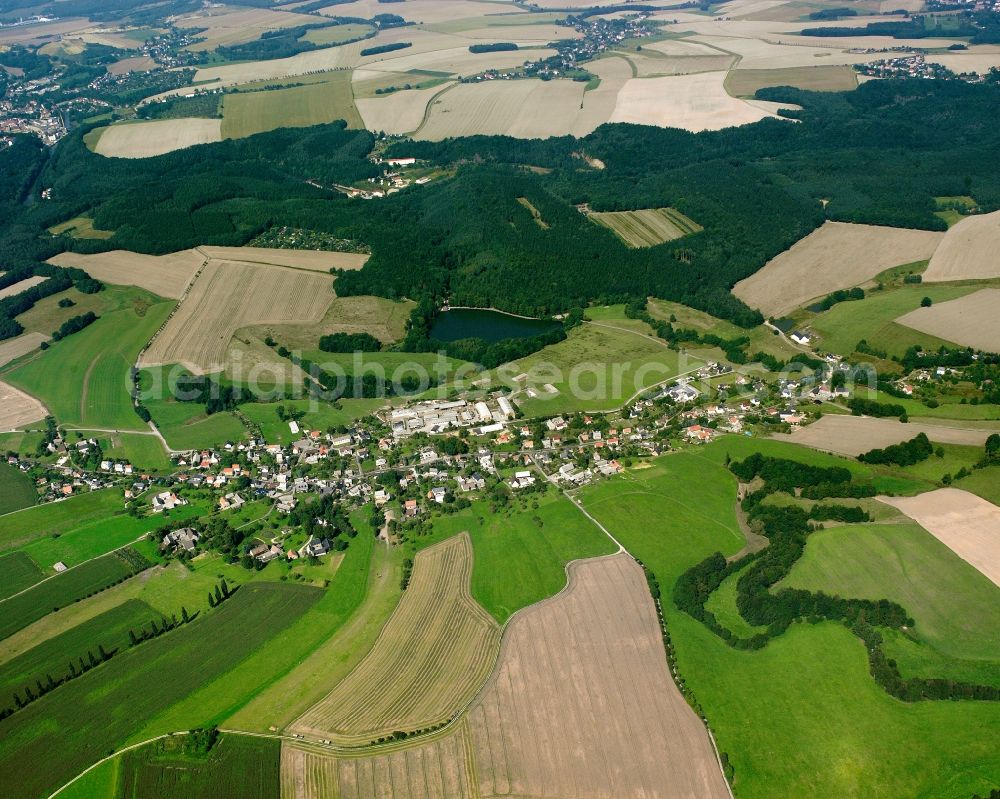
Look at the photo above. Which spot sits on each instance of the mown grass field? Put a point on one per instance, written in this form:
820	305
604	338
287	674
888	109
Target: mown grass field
520	554
17	572
144	452
30	524
53	655
439	646
16	489
801	717
49	596
80	227
872	319
84	379
89	716
185	425
595	368
99	537
237	766
247	113
647	227
951	602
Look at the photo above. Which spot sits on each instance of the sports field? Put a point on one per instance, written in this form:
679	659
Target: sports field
598	367
439	646
648	227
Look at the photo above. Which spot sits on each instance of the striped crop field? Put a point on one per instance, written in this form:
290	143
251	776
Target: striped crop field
646	227
434	653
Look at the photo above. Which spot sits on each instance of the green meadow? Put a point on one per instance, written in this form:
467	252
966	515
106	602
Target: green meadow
16	489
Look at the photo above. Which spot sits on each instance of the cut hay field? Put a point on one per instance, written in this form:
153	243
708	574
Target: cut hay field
18	409
17	490
949	600
84	379
14	348
971	321
746	82
21	286
222	25
802	716
97	712
966	524
646	227
693	102
836	256
247	113
163	275
399	112
17	572
532	732
853	435
229	295
527	109
146	139
968	251
439	647
873	319
597	367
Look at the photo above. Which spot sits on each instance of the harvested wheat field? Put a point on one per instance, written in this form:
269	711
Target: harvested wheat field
968	251
968	525
399	112
972	320
229	295
581	705
434	653
526	109
18	409
221	26
692	102
21	345
309	260
21	286
165	275
146	139
647	227
853	435
838	255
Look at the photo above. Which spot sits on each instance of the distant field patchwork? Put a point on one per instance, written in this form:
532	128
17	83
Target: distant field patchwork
646	227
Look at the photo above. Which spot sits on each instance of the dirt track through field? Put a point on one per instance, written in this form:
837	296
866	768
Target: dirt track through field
581	705
968	525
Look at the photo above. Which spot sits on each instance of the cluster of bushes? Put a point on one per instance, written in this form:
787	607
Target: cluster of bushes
215	396
841	295
866	407
74	325
349	342
787	529
850	514
400	735
918	448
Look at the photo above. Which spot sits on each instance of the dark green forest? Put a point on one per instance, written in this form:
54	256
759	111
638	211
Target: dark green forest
877	155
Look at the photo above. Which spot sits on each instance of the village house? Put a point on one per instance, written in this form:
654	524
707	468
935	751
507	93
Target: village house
186	538
167	500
